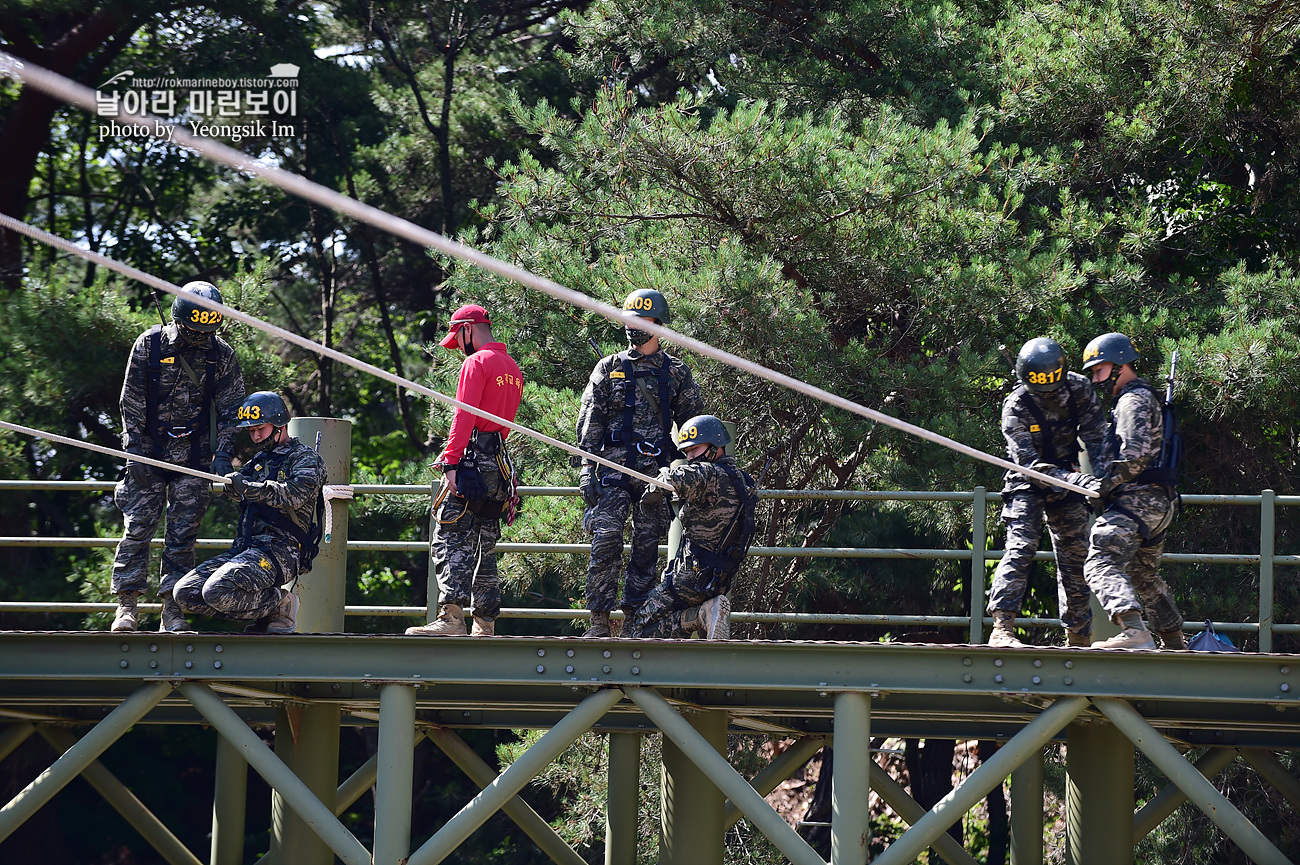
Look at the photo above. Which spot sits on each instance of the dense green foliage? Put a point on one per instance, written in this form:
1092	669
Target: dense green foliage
884	200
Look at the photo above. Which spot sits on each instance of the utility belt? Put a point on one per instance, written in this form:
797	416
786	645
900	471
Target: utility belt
1149	538
486	452
487	443
637	442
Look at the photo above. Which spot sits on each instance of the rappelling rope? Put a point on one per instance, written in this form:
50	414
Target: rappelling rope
100	449
73	93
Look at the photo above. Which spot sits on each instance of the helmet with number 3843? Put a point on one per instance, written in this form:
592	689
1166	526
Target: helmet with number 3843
187	313
1040	366
261	407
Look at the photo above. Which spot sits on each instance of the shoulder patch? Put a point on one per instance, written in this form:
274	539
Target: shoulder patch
617	373
167	360
1033	427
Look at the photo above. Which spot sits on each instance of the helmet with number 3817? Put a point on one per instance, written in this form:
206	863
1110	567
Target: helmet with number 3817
187	313
1040	366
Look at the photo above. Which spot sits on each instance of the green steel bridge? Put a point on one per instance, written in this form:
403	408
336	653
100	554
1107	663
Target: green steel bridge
81	691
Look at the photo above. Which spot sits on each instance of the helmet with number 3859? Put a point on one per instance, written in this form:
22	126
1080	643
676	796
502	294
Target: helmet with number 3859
1040	366
702	429
263	406
187	313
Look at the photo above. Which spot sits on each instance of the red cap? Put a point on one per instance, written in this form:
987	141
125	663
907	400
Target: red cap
470	313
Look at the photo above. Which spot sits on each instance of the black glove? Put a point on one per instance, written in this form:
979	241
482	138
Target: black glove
653	497
589	486
221	464
139	472
1088	482
245	488
469	483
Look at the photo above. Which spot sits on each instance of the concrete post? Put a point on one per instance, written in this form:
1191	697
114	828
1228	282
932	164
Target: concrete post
1027	812
229	805
691	807
1098	795
322	591
622	798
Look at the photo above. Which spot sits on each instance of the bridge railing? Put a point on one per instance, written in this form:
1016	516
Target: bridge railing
979	498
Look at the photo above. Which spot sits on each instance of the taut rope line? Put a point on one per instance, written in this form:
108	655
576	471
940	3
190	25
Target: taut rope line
73	93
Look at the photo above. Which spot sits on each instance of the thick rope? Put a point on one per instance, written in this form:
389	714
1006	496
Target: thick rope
234	314
100	449
73	93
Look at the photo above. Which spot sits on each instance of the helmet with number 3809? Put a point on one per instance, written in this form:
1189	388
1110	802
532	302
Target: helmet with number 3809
1040	366
187	313
261	407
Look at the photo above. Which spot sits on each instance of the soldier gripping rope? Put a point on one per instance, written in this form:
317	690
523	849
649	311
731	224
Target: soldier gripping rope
179	397
1043	420
478	482
717	517
278	535
629	405
1138	487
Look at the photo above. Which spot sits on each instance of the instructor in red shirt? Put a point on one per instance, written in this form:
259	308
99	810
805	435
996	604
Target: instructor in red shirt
477	482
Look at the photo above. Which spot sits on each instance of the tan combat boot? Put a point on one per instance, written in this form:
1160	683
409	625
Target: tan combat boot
484	627
1003	635
1172	640
1078	639
599	627
173	617
127	616
450	623
284	618
715	614
1133	636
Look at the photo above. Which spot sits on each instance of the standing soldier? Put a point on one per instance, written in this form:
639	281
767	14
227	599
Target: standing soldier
717	525
628	408
279	530
477	481
179	398
1043	420
1139	493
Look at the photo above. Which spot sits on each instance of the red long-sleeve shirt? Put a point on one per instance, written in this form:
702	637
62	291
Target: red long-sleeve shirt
489	379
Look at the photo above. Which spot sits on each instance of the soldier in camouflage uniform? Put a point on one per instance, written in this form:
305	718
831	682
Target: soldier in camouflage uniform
1128	538
279	490
1043	420
179	397
477	483
628	408
717	517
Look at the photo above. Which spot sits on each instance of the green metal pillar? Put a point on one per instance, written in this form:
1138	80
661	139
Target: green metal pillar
622	798
691	807
1027	812
80	755
978	542
789	761
124	802
1267	516
395	773
895	796
229	805
308	742
1098	795
850	787
1272	770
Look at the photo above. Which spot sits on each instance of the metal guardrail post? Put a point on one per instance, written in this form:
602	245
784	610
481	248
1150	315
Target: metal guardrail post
621	806
1027	812
229	805
1267	524
395	772
978	540
1098	795
691	806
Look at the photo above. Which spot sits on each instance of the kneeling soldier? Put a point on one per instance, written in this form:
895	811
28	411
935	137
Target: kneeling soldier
279	492
717	525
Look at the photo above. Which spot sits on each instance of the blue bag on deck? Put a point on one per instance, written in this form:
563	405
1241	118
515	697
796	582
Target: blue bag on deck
1211	641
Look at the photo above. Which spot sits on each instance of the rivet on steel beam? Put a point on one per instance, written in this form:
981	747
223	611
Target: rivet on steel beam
997	662
189	665
1067	680
1285	670
153	647
998	678
541	669
569	668
123	664
569	652
966	661
126	647
1037	662
636	654
218	649
605	654
604	669
335	687
636	671
541	653
189	648
1285	687
153	665
1069	665
731	693
966	677
1037	680
216	665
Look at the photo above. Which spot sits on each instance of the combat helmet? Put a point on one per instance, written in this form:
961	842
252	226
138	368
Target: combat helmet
1040	366
701	430
261	407
187	313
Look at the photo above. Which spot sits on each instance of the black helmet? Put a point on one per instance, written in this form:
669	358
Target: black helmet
262	407
648	303
703	429
1040	366
1113	347
189	314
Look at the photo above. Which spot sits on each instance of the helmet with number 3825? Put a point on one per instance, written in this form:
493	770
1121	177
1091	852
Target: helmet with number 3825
1040	366
263	406
187	313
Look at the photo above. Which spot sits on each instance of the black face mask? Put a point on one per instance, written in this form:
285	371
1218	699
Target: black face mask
192	338
637	338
